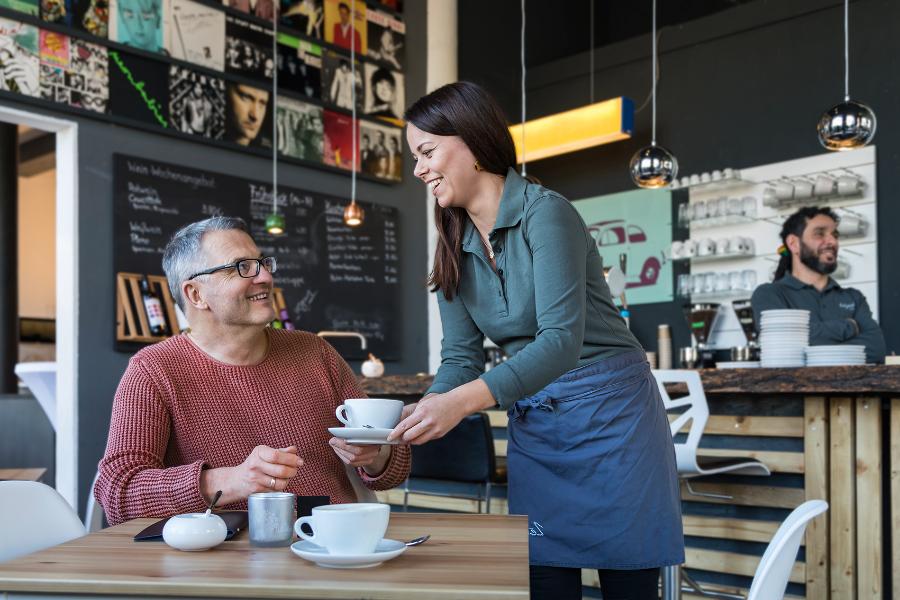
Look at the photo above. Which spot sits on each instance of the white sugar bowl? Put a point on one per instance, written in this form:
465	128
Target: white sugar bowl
372	367
195	531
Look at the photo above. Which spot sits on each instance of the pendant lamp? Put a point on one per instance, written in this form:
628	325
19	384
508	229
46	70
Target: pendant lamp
353	212
275	222
653	166
849	124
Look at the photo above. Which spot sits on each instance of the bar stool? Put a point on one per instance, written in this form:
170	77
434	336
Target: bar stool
696	410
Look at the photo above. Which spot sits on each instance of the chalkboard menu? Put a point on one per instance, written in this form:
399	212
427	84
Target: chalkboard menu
333	277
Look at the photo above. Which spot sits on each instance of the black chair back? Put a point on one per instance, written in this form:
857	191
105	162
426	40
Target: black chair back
465	454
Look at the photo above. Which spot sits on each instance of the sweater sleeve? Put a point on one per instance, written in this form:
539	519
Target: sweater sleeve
347	386
556	235
134	481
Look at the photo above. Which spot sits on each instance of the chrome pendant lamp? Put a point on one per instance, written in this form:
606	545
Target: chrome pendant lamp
849	124
653	166
275	222
353	212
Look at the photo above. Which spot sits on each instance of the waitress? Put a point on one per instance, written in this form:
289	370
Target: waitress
590	458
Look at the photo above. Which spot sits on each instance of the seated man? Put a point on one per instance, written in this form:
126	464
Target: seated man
232	405
838	315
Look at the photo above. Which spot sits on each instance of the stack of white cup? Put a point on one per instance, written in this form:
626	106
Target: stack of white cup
664	346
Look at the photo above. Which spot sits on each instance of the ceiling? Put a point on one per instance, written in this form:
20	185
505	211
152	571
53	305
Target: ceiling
561	28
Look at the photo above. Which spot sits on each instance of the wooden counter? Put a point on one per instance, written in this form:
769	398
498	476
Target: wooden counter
468	556
820	431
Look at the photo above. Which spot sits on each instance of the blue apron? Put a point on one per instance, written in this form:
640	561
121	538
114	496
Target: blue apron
592	463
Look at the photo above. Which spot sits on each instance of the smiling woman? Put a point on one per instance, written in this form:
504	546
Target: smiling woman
516	263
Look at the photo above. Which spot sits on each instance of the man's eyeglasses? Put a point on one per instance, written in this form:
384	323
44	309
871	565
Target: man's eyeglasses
246	267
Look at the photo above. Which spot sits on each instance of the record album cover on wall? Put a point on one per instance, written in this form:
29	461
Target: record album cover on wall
248	119
73	72
138	23
19	58
300	129
380	151
339	132
85	15
29	7
263	9
138	88
338	79
196	33
299	66
338	28
196	103
306	16
386	35
384	92
248	49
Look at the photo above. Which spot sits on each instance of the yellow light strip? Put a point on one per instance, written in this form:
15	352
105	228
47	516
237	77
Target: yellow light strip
600	123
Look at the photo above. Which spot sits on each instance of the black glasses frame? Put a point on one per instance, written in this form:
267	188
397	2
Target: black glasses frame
260	264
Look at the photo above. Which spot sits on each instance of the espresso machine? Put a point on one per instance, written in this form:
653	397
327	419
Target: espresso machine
744	312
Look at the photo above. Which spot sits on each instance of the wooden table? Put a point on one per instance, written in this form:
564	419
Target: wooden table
468	556
21	474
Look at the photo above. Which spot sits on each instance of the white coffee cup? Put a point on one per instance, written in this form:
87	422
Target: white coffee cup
847	185
723	246
727	172
784	190
705	177
382	413
346	529
802	188
705	247
689	249
824	185
852	226
677	249
717	175
769	197
695	179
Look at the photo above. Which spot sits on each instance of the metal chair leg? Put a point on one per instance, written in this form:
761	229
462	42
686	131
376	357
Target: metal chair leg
671	582
406	496
693	492
487	508
696	589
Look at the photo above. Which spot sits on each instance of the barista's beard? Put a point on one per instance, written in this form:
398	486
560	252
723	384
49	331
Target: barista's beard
810	258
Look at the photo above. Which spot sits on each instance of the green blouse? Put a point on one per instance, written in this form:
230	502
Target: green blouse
547	304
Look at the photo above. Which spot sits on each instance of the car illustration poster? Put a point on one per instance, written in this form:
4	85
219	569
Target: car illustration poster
638	224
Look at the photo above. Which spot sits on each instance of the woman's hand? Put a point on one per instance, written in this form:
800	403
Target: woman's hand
373	459
430	418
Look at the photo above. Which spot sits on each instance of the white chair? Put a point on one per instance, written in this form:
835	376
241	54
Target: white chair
94	513
697	411
40	377
33	516
689	465
771	577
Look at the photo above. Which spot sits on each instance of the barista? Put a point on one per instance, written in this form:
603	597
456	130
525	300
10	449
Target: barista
838	315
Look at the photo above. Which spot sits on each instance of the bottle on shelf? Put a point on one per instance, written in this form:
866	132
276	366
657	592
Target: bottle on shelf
286	319
156	319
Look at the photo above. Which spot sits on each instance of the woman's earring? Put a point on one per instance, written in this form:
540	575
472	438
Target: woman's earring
478	166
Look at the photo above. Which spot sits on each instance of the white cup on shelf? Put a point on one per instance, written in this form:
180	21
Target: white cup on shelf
717	175
770	198
802	189
784	190
706	247
847	185
705	177
824	185
677	249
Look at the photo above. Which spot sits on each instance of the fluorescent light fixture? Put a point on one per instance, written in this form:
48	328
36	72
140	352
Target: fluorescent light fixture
600	123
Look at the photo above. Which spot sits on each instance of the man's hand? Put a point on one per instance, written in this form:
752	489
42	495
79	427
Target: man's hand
264	470
373	459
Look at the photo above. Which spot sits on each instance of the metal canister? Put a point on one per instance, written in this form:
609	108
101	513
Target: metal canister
272	516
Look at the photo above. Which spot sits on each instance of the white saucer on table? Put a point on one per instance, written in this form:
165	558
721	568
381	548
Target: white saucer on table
385	550
363	436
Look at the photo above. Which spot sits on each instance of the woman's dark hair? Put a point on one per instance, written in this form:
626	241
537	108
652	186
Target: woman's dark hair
796	225
466	110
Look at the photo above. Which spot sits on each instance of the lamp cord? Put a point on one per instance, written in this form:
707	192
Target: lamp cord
591	50
353	100
653	93
522	53
846	50
275	114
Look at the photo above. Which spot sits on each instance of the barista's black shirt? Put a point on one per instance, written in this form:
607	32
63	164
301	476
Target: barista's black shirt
832	313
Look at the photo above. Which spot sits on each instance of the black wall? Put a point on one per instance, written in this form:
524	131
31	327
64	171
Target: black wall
740	88
99	366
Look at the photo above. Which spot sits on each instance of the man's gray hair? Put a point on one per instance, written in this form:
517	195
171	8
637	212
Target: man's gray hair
183	257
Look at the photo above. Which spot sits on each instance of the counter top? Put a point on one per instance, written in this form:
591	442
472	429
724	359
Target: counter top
876	380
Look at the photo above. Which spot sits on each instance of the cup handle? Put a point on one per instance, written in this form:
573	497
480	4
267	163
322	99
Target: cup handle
300	533
341	414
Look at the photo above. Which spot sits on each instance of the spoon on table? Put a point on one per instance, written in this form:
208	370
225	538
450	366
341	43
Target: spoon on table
213	503
418	540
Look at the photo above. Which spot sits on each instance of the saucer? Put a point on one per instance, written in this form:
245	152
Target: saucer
363	436
385	550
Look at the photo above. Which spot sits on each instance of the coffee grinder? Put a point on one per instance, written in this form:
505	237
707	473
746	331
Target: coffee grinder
744	312
700	318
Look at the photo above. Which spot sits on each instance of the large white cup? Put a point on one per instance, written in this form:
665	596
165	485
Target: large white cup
382	413
824	185
348	529
705	247
848	185
802	188
784	190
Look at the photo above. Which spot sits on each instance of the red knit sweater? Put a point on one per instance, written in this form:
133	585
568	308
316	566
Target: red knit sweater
178	411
